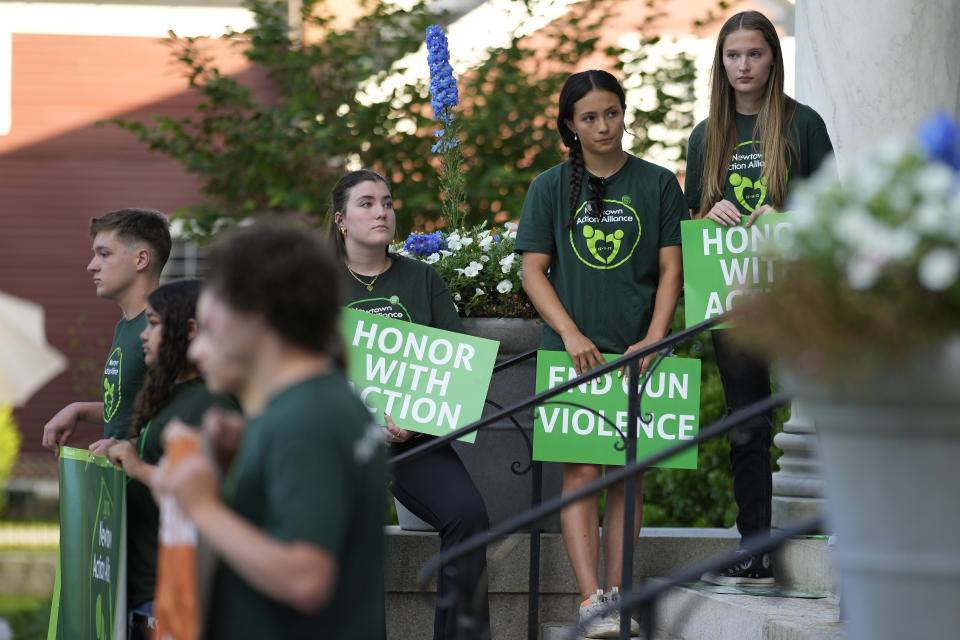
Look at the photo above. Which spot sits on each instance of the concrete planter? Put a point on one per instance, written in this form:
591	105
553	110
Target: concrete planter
500	447
890	449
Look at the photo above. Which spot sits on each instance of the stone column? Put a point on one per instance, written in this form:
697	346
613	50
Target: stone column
869	68
797	486
872	67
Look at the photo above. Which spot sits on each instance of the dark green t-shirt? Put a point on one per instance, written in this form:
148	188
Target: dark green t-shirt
188	401
605	269
123	376
408	290
743	184
311	468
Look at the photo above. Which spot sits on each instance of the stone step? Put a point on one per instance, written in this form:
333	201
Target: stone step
687	614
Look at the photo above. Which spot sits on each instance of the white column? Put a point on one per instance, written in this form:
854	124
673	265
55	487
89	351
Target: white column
797	486
871	67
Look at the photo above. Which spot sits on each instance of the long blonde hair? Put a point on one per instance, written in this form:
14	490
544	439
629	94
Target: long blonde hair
773	121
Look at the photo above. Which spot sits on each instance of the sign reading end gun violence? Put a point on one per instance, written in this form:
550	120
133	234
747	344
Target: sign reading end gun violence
670	413
724	265
425	379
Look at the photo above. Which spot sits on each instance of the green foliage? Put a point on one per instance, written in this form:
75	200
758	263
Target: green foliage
702	497
27	616
9	448
342	102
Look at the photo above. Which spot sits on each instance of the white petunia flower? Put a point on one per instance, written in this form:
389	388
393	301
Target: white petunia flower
863	271
432	258
453	242
472	269
480	291
456	297
445	253
466	242
938	270
485	242
504	286
485	258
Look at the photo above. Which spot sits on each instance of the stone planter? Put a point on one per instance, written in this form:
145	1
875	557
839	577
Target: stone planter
890	450
500	445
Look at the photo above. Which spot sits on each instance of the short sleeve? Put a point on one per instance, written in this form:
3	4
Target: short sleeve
536	230
442	308
817	146
693	180
672	210
308	487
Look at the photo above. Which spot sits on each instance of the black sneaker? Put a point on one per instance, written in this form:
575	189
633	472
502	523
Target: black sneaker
747	571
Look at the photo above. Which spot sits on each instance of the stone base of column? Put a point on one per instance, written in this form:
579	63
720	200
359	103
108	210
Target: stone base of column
787	510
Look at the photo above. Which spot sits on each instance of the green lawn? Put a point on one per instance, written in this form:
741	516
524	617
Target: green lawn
26	615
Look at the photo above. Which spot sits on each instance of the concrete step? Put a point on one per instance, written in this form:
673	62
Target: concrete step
687	614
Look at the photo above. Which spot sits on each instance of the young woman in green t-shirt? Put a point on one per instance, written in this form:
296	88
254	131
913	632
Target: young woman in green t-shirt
600	236
172	389
742	161
436	486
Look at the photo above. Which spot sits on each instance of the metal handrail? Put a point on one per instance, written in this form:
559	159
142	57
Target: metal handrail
629	470
666	343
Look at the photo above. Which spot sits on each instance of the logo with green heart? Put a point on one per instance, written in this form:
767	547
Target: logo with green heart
111	384
607	240
750	194
387	307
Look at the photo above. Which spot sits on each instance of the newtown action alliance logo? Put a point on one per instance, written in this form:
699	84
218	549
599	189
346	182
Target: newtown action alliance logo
746	175
607	240
111	384
386	307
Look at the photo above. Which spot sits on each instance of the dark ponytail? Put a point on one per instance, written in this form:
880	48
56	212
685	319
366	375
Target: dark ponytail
577	86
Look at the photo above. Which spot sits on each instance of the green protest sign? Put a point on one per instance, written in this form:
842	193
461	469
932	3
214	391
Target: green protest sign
565	433
425	379
89	599
723	265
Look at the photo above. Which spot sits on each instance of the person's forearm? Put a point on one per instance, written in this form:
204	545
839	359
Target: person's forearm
296	574
548	305
668	293
91	412
142	471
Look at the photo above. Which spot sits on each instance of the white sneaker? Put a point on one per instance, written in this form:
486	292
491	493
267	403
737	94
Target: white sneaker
607	625
614	597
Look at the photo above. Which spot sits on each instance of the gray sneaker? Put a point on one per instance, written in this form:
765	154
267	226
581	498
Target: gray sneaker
614	597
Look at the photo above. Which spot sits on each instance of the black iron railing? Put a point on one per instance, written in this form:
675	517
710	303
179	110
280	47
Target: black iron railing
625	474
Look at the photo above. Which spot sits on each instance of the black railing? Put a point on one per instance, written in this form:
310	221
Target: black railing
627	444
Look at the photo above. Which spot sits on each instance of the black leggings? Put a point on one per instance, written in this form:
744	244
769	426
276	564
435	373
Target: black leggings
746	380
437	488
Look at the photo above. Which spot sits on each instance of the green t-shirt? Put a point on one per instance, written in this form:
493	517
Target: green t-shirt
188	401
408	290
605	269
311	467
123	376
743	184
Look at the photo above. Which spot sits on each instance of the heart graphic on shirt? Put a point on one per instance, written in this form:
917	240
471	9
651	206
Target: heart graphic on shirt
602	246
749	194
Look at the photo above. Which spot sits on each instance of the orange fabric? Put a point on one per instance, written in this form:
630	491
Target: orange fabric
176	601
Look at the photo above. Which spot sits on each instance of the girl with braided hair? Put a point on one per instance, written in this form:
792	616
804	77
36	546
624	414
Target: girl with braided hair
600	236
173	388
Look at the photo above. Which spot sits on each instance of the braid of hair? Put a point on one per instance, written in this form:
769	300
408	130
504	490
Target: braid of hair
577	169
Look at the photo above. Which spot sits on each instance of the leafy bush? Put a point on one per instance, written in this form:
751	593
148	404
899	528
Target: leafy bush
9	448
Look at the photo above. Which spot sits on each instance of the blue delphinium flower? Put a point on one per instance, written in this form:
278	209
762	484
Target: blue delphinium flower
443	86
424	244
940	138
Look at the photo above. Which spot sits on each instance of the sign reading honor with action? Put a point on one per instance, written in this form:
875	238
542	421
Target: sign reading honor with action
425	379
722	265
89	598
566	433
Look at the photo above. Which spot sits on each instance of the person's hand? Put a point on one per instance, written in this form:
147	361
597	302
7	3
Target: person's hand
58	430
193	482
99	448
646	360
724	213
123	454
394	434
759	211
583	352
224	430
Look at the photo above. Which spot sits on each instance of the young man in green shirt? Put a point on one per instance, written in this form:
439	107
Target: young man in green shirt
130	248
298	522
